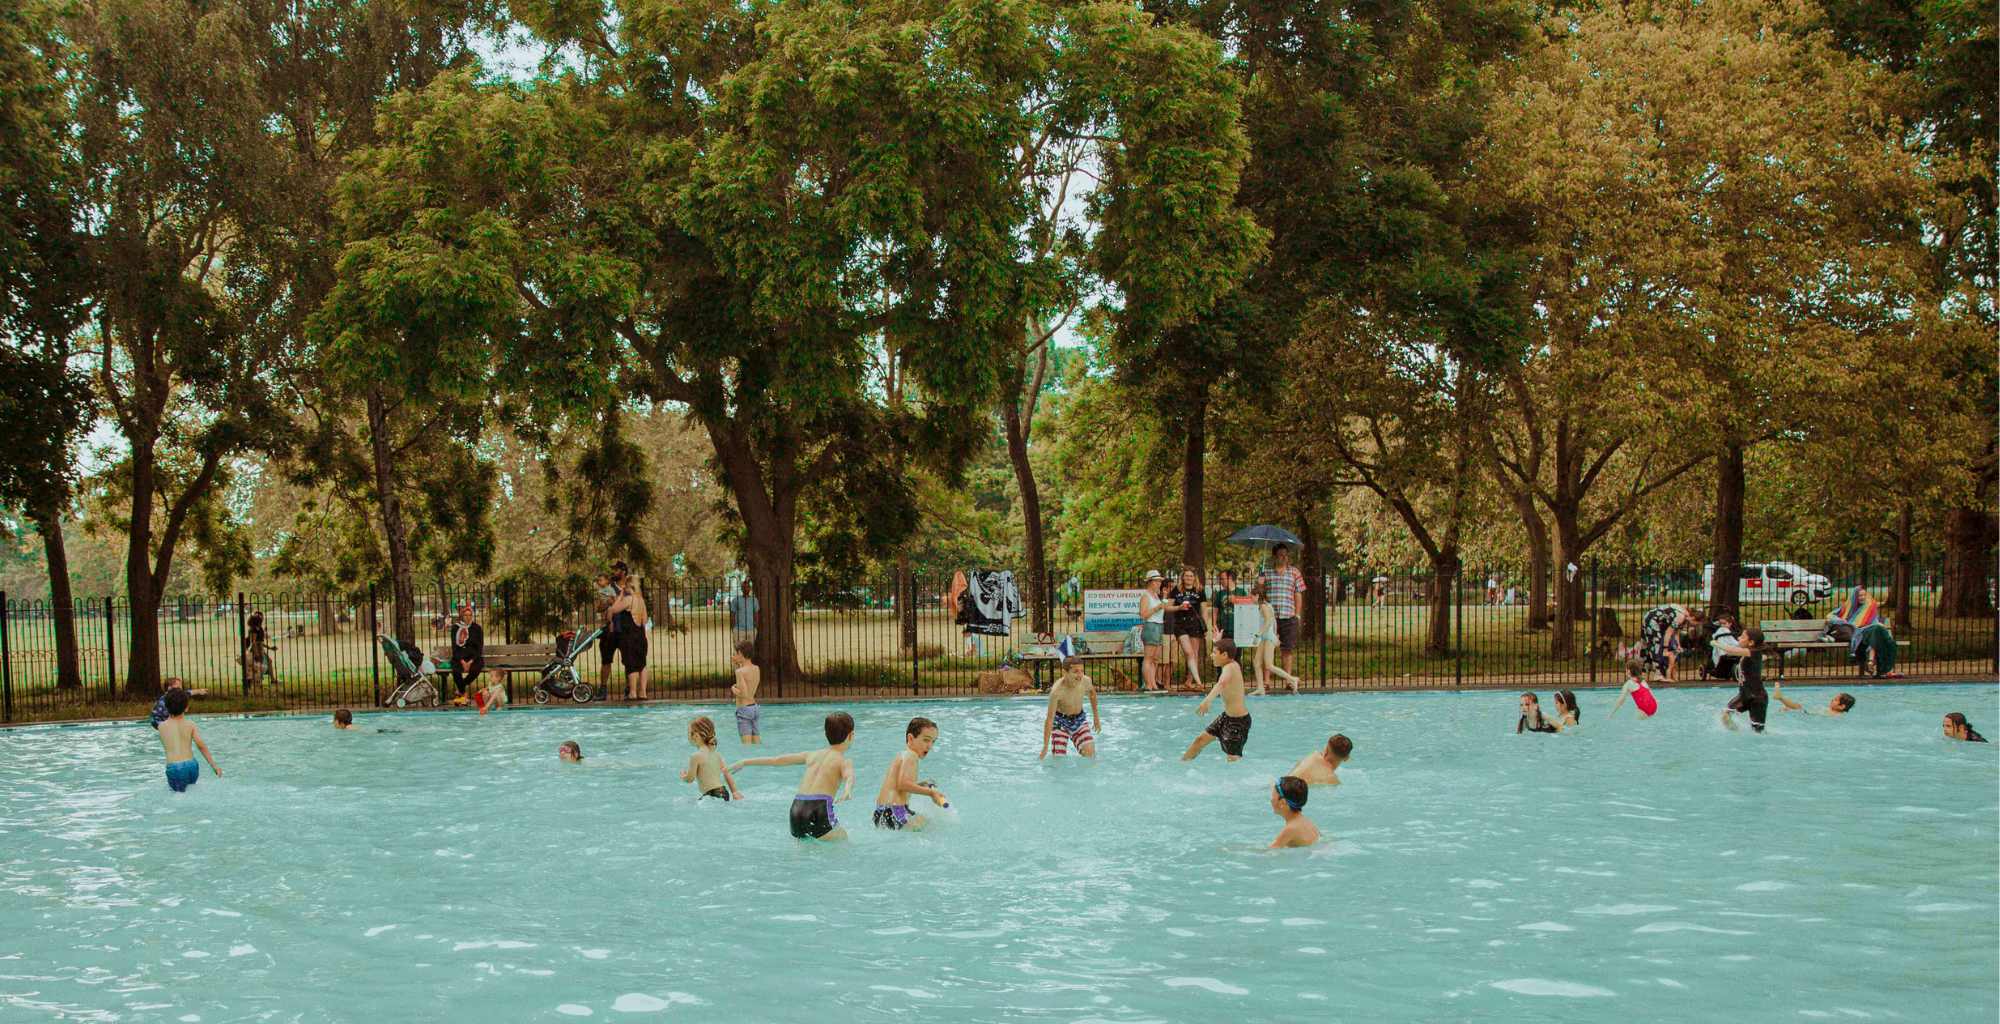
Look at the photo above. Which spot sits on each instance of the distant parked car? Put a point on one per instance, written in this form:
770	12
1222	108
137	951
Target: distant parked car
1786	583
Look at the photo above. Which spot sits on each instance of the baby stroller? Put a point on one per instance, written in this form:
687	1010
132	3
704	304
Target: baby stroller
414	687
559	678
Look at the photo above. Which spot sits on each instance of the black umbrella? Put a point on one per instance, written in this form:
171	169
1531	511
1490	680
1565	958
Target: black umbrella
1263	536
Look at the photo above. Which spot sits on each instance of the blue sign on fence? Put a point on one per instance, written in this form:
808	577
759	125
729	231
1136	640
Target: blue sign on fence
1109	610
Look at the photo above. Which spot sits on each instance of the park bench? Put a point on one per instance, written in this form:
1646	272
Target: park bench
503	657
1787	635
1097	645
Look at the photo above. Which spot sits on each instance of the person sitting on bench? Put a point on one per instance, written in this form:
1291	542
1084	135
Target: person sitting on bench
1860	622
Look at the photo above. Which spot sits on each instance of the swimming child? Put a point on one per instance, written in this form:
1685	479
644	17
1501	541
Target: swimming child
1566	710
1288	800
343	719
892	801
1232	727
177	736
1065	725
1955	728
749	715
570	752
705	769
1531	716
1750	695
1841	703
1320	767
827	769
1635	687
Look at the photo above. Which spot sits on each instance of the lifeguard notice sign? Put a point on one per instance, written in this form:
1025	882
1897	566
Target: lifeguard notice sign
1110	610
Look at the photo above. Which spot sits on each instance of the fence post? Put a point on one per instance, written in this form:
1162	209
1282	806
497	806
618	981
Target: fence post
6	663
242	662
110	655
1458	642
1593	619
374	649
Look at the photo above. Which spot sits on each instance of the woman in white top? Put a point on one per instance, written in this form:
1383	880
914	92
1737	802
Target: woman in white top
1152	628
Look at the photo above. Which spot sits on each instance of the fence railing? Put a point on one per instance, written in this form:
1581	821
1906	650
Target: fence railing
1367	630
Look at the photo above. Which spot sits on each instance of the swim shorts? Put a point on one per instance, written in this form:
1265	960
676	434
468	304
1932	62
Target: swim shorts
892	817
748	718
632	650
1069	730
1288	634
720	793
1754	701
812	816
1232	733
182	774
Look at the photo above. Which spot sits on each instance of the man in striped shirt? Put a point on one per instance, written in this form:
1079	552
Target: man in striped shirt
1285	587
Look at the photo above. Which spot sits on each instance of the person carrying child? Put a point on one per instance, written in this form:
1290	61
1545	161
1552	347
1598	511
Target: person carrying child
705	769
827	770
179	738
1232	727
1065	725
1288	801
892	801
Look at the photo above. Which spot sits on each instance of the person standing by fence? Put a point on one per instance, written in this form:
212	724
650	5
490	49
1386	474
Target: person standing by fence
743	617
1284	587
257	652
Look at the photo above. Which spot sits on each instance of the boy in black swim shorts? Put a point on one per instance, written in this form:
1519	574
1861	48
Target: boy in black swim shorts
1232	727
892	801
827	770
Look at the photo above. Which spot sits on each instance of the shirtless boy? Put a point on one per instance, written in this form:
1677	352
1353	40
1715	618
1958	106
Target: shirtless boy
827	770
705	768
180	738
1232	727
892	801
749	715
1288	801
1065	724
1320	767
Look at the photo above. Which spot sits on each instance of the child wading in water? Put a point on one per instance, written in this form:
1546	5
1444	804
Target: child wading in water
180	738
1267	642
749	715
827	770
1288	800
569	752
1531	716
1635	687
1321	767
1064	725
1232	727
1750	694
892	801
705	769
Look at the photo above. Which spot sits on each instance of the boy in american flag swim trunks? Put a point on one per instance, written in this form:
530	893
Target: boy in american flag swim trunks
1065	726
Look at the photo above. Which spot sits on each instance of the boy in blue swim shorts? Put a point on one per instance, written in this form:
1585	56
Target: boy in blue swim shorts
179	737
749	714
892	801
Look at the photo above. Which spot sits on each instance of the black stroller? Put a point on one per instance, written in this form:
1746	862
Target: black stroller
559	679
414	685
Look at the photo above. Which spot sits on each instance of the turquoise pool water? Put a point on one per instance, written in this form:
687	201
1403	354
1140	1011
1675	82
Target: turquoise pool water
453	870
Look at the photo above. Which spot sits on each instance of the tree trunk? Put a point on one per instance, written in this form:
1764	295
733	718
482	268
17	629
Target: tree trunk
1313	615
142	658
1728	551
62	603
1898	597
1538	567
1569	592
1968	564
1031	513
1193	538
771	562
396	531
1444	585
766	503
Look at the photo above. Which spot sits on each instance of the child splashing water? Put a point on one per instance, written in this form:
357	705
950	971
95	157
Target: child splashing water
705	768
892	801
1635	687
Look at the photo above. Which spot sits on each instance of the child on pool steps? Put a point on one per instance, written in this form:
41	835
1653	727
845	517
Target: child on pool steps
892	801
705	769
827	770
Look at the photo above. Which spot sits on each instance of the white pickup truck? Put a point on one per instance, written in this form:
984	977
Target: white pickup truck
1786	583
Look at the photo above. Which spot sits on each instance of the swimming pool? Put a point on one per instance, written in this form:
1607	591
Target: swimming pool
453	870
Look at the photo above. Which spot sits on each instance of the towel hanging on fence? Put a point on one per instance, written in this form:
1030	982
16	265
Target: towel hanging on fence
990	603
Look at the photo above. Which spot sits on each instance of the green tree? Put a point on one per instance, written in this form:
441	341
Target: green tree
730	209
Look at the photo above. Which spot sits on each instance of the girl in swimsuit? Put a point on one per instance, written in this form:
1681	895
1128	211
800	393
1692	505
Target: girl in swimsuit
1635	687
705	768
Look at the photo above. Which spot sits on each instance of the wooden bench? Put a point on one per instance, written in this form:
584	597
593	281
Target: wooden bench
1802	635
1098	645
503	657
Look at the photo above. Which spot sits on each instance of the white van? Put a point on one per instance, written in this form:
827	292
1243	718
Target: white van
1786	583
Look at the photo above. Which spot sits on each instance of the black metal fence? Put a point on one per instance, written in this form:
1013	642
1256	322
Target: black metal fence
1374	631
